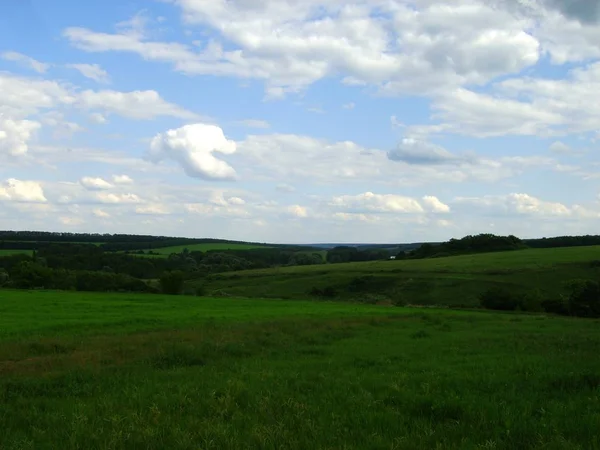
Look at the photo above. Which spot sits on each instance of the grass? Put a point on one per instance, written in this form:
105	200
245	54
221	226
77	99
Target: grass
276	374
443	281
10	252
204	247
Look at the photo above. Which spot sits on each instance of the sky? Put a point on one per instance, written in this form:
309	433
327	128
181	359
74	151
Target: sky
301	121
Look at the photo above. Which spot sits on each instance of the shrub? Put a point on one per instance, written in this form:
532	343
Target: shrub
532	301
584	298
556	306
171	282
499	299
4	277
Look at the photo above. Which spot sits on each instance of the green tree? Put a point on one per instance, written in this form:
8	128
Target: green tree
584	298
171	282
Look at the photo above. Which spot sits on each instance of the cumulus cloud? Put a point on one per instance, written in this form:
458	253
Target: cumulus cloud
22	191
154	209
398	48
112	198
517	203
414	151
98	118
26	61
101	214
134	105
91	71
435	205
254	123
194	147
297	211
384	203
122	179
95	184
15	135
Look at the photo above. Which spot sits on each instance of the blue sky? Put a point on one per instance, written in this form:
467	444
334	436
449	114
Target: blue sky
284	121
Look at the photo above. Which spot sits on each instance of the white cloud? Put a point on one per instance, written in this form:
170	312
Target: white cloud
516	203
154	209
98	118
112	198
254	123
350	105
15	135
95	184
91	71
194	147
414	151
297	211
384	203
134	105
122	179
291	45
100	213
26	61
435	205
22	191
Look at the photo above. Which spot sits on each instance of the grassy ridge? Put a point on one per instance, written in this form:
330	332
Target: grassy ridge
271	376
446	281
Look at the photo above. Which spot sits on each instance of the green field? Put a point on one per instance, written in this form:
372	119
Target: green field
454	280
205	247
115	371
10	252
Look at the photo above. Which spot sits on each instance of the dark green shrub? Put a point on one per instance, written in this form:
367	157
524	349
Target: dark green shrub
499	299
532	301
171	282
556	306
584	298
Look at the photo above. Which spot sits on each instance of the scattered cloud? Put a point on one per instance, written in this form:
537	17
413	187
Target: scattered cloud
25	61
92	71
22	191
95	184
122	179
254	123
194	147
15	135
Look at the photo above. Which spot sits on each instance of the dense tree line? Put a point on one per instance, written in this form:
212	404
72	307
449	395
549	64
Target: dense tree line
30	240
469	244
563	241
344	254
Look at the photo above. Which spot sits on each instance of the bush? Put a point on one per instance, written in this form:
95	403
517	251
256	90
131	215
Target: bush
4	277
556	306
532	301
171	282
584	298
499	299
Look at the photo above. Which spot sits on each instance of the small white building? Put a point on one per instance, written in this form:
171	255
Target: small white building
392	257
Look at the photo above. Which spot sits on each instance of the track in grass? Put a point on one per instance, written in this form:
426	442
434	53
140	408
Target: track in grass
274	376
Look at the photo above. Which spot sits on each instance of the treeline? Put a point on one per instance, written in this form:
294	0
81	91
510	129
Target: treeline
344	254
481	243
70	266
563	241
32	240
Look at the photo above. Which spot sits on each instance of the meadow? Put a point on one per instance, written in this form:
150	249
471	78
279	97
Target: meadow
449	281
148	371
10	252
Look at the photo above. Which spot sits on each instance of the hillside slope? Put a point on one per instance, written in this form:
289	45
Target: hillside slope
444	281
